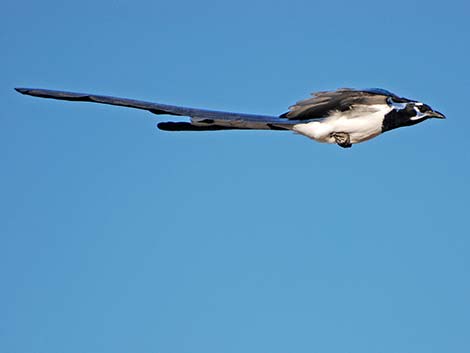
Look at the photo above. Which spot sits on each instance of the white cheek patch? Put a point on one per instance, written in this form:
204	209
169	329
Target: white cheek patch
419	115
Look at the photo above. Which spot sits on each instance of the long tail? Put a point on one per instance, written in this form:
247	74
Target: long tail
201	119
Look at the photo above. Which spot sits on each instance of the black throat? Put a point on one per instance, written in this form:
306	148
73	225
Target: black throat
398	118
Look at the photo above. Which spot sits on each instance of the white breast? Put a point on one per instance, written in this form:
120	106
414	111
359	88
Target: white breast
361	123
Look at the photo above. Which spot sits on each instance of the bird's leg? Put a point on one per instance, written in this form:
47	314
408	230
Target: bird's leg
342	139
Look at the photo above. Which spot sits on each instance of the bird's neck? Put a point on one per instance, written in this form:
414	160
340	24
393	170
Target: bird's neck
398	118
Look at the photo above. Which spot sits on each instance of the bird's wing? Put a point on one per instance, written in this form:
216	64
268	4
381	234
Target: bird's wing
323	103
201	119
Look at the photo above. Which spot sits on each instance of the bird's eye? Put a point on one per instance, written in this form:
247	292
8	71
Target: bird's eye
424	108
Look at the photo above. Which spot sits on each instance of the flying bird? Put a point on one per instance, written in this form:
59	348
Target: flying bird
344	117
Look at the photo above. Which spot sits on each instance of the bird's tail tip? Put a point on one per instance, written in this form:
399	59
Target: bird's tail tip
22	90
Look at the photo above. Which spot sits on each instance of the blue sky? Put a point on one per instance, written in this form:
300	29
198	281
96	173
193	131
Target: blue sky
118	237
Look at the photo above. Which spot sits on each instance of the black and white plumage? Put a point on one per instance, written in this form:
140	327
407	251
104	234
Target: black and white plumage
345	116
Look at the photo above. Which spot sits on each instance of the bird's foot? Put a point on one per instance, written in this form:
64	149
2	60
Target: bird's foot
342	139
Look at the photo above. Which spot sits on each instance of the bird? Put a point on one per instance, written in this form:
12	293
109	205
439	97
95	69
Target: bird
344	116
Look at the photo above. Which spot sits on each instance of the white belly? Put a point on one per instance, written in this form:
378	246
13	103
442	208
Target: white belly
359	127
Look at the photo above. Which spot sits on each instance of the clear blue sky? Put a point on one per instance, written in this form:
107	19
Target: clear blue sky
118	237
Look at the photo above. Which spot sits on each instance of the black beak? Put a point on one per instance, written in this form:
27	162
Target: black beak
437	115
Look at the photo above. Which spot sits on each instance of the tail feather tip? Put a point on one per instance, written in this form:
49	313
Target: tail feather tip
22	90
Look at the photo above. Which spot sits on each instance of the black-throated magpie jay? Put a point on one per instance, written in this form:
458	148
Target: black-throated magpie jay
345	116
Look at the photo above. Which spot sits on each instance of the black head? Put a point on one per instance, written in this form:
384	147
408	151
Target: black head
406	113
